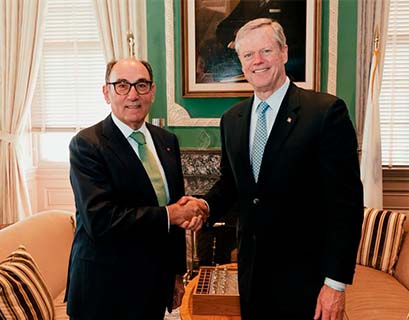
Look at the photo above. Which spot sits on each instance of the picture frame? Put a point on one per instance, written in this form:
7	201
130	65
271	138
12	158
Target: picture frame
210	67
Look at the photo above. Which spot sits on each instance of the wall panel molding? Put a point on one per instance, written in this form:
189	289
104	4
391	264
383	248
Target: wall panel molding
54	188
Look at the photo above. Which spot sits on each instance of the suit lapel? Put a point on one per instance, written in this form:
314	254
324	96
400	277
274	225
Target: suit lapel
131	165
243	129
166	155
285	121
283	125
120	147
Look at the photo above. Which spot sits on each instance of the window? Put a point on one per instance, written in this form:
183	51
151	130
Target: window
68	94
394	97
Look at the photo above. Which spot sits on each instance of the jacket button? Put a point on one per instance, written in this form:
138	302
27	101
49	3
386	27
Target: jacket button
256	201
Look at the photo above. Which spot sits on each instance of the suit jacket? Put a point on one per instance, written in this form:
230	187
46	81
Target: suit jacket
305	212
123	260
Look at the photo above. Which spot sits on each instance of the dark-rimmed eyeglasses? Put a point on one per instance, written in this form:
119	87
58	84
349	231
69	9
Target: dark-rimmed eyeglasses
123	87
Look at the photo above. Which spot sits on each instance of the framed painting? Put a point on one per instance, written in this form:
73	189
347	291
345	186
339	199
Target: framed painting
210	64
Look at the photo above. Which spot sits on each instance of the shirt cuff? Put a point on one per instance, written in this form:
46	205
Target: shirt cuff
336	285
167	213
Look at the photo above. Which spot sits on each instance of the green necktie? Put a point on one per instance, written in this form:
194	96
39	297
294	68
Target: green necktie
151	167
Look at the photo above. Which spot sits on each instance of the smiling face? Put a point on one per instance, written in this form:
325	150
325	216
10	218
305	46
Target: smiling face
263	60
131	108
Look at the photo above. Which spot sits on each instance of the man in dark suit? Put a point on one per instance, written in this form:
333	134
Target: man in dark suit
289	158
129	253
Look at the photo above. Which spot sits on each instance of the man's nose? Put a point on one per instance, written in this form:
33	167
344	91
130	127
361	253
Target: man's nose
258	57
133	93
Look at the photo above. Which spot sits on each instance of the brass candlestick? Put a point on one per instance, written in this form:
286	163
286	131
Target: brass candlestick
131	43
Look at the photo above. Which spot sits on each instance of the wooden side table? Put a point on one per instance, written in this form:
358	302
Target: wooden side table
186	307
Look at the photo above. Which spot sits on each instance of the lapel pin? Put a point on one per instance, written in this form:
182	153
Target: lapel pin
289	120
167	149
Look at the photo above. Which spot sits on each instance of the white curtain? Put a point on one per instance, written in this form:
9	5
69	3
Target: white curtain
372	21
372	16
21	34
115	19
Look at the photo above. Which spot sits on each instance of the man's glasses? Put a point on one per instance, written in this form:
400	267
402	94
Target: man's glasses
123	87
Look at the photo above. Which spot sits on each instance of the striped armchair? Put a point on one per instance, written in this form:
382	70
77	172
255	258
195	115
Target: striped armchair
381	283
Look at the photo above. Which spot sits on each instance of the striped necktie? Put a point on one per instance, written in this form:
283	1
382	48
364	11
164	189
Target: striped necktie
260	139
149	162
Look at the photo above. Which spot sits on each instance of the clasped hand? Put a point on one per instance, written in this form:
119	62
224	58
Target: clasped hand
189	213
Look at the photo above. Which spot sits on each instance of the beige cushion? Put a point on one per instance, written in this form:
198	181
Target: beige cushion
23	292
402	267
376	295
60	307
382	232
48	237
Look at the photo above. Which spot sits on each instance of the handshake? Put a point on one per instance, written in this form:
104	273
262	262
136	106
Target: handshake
189	213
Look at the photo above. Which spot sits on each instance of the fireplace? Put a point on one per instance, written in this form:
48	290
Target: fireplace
200	169
210	244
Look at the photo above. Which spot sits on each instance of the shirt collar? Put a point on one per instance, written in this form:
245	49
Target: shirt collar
125	129
274	101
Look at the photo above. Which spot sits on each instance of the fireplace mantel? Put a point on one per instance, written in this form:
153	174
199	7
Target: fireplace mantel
200	169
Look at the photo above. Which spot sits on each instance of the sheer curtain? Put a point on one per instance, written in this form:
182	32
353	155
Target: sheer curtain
21	34
372	17
115	19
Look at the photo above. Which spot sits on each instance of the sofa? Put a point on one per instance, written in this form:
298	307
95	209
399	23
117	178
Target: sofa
380	289
41	241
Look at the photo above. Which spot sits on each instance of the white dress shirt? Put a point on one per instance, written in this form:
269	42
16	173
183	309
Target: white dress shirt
274	101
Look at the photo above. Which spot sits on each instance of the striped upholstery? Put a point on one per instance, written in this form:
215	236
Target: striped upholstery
23	293
382	232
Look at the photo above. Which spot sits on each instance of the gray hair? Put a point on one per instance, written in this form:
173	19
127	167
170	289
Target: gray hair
111	64
278	31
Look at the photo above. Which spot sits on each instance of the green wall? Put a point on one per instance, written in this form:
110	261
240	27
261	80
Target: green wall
346	68
190	137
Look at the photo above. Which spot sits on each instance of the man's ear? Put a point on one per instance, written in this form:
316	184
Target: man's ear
105	91
284	52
